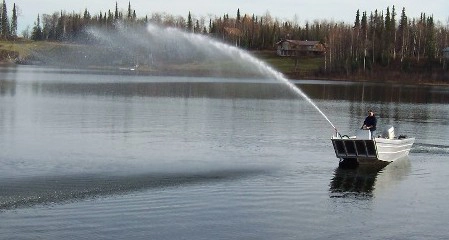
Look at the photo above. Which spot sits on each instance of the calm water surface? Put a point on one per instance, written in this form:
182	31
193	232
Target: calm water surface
89	155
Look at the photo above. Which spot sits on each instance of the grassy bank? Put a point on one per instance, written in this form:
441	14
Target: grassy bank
10	51
295	68
24	49
411	71
305	67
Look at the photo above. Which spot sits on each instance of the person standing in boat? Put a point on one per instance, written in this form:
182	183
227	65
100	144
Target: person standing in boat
370	122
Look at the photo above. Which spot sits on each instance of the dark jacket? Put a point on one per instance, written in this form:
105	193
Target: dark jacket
371	121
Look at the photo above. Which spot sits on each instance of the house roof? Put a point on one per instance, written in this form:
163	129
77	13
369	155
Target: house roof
300	43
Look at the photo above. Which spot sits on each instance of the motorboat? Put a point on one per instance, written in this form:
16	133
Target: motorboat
365	148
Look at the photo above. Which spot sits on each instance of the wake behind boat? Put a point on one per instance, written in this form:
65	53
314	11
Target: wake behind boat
364	148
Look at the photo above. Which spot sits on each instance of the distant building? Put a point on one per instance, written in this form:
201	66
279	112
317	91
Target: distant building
446	53
287	48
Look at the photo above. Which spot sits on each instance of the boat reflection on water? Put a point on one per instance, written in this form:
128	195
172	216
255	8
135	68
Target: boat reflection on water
361	181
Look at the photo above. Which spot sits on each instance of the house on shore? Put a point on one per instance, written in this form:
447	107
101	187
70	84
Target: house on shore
291	48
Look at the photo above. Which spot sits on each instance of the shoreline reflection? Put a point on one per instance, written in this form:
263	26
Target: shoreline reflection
7	88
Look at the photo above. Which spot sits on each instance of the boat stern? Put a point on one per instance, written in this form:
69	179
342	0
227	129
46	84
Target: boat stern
354	148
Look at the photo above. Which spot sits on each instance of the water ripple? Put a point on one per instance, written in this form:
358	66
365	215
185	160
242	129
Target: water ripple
430	148
59	189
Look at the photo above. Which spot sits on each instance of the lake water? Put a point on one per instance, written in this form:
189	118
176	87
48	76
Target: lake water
92	155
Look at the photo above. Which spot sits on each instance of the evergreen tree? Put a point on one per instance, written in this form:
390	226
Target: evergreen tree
116	11
389	35
129	11
388	22
357	19
14	21
393	28
189	23
430	39
1	23
60	27
356	42
110	19
364	31
421	27
5	21
86	15
402	33
197	28
238	18
211	26
37	35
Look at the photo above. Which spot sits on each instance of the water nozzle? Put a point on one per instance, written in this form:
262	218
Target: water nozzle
336	132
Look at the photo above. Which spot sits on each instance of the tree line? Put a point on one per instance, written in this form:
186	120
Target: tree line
382	39
8	27
377	38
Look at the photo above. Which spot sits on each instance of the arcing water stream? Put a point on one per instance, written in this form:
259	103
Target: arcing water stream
265	68
187	46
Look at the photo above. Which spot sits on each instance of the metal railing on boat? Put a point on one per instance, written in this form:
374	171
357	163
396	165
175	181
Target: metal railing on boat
355	148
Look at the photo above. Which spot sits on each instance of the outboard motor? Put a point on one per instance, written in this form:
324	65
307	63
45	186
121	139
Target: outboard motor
388	132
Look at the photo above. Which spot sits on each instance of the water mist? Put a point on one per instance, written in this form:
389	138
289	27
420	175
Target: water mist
175	45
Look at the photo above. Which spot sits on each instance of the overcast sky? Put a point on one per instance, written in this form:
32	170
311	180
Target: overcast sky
301	10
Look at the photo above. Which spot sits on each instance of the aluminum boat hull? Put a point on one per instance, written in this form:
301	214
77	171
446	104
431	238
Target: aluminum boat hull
371	150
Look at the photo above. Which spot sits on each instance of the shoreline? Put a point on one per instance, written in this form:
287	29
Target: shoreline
21	53
376	81
199	73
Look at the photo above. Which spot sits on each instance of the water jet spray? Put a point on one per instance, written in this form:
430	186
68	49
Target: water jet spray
174	43
261	66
